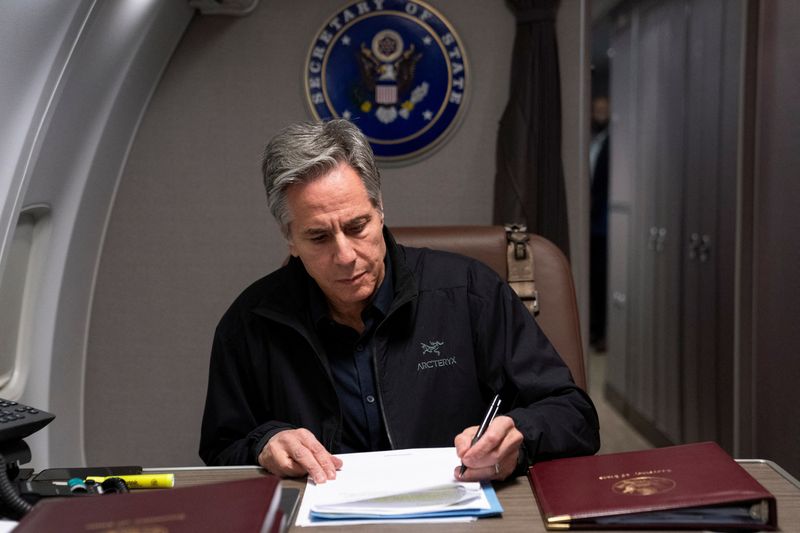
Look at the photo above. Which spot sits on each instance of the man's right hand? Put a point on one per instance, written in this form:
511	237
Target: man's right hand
297	452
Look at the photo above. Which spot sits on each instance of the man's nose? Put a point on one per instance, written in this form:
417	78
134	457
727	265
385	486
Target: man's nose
344	253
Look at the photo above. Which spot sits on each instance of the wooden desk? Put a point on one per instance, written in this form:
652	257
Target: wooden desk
520	510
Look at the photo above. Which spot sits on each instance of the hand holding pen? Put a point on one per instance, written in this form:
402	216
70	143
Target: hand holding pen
491	450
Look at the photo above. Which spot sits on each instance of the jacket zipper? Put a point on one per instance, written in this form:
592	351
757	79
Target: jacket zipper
378	391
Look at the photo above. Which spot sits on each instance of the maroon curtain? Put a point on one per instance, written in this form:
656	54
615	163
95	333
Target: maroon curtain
529	184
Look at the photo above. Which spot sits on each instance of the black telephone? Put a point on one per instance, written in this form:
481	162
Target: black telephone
17	421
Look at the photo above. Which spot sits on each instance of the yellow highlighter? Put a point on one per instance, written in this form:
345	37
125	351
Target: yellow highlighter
141	481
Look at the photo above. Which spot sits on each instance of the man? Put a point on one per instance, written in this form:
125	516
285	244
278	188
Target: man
331	353
598	244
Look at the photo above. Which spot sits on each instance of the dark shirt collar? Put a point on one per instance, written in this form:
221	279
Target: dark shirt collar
383	299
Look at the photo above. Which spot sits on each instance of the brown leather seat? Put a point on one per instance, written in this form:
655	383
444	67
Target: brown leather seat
558	315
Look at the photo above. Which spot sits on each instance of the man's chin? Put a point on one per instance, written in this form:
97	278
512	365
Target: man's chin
354	295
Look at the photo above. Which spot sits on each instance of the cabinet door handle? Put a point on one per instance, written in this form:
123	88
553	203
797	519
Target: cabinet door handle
704	249
618	299
651	242
662	236
694	245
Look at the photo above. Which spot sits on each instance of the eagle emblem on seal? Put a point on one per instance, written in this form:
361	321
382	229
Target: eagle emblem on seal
387	76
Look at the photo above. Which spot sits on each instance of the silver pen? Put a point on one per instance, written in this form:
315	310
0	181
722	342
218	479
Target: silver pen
487	419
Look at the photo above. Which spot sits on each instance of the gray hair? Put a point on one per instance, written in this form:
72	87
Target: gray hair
307	150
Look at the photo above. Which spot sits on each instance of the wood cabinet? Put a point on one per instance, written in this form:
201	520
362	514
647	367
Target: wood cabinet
674	86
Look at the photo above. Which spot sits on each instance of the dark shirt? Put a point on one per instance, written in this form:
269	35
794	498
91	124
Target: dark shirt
351	360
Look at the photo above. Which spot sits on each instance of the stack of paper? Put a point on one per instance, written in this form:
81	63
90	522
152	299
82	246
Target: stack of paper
398	485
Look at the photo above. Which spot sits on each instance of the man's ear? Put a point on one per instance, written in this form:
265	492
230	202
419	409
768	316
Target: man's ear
287	233
292	247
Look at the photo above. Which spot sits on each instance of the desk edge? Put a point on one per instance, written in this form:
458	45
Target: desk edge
777	468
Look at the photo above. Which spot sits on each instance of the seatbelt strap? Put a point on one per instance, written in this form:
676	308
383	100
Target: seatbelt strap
520	266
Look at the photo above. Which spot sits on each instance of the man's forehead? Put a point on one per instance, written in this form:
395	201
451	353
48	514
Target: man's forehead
325	224
339	193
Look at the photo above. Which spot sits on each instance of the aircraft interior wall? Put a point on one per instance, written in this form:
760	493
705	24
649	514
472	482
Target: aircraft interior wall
76	79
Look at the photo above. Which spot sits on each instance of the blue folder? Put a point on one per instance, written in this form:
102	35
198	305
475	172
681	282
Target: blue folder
495	509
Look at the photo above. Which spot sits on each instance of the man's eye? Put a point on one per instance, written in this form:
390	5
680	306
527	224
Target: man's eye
319	238
354	230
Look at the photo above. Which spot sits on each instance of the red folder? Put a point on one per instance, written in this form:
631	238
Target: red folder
248	505
692	486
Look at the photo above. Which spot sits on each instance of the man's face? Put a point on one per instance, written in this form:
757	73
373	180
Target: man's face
337	233
600	113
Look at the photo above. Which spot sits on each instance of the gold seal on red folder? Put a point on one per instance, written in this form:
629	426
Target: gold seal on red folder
643	485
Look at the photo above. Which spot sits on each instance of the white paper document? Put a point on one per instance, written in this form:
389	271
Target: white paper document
403	485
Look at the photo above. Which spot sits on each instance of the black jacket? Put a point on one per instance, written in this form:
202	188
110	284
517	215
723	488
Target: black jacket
454	336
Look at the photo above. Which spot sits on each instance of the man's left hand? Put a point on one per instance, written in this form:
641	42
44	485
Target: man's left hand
495	454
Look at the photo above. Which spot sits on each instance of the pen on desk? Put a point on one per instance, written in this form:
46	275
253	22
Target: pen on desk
487	419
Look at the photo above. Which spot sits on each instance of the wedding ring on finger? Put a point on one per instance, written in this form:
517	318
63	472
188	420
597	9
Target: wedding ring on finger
497	468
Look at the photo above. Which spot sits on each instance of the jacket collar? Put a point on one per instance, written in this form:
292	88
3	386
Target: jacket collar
405	285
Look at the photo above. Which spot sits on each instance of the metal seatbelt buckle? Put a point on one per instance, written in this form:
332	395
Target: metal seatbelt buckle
520	266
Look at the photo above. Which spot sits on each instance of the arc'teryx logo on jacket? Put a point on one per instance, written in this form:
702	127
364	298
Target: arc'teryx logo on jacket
433	347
